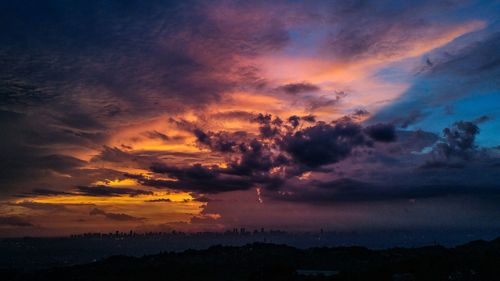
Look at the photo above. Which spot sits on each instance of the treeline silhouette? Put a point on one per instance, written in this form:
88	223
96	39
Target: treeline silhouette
478	260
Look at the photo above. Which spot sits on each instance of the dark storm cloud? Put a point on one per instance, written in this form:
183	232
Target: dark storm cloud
249	169
15	221
442	165
256	161
279	145
202	199
320	144
158	200
202	137
381	132
196	172
41	206
298	88
347	190
157	135
132	159
98	190
360	113
315	102
60	162
114	216
48	192
263	119
81	121
221	141
452	167
30	154
323	144
183	124
294	121
23	164
414	141
112	154
461	136
458	142
195	178
19	129
105	191
309	118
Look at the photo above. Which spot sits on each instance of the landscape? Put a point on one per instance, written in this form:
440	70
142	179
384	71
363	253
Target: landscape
477	260
250	140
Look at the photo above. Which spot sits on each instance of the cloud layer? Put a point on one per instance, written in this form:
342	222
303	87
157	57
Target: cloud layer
199	114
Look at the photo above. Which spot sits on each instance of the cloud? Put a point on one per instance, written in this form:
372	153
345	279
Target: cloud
413	117
442	165
394	31
482	119
48	192
15	221
105	191
157	135
60	162
180	50
81	121
112	154
195	178
234	114
203	199
459	141
315	103
298	88
173	99
282	150
42	206
323	144
381	132
115	155
114	216
66	86
33	152
225	142
346	190
158	200
460	70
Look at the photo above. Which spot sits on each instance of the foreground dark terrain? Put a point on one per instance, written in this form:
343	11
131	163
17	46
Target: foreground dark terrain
478	260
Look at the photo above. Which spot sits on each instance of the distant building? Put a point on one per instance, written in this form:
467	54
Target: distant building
313	272
403	277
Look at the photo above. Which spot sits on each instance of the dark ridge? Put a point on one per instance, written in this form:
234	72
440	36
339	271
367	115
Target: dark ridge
476	260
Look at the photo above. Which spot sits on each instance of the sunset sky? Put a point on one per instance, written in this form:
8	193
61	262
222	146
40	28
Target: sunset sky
210	115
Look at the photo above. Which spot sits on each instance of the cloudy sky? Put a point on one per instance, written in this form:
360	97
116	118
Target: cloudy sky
209	115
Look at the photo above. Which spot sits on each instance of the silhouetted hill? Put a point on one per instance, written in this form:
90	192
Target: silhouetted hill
477	260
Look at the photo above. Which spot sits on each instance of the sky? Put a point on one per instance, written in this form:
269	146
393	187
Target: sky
210	115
